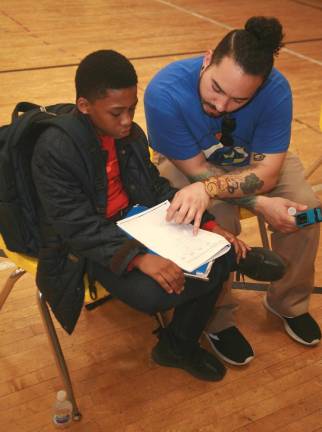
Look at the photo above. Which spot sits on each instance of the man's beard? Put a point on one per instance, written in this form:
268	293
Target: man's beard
213	107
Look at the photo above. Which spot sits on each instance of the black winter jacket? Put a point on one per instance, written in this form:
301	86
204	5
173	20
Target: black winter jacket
71	183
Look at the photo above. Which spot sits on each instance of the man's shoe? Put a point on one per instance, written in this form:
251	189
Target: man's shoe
302	328
231	346
197	361
262	264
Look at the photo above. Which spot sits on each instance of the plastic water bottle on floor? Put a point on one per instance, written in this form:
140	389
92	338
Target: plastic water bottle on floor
63	410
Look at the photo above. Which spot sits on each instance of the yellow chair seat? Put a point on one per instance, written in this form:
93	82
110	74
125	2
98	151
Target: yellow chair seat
29	264
245	213
100	291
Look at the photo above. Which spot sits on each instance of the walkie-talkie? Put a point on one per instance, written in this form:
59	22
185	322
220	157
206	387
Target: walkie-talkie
308	217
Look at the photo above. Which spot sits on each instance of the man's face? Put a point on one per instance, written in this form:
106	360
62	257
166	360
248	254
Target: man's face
225	87
112	114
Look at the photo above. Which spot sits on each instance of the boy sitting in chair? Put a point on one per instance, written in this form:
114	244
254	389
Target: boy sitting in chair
85	187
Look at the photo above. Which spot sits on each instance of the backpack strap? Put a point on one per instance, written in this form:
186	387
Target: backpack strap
84	137
23	107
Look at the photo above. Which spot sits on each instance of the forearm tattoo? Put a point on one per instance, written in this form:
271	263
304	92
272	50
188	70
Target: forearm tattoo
234	183
258	157
251	184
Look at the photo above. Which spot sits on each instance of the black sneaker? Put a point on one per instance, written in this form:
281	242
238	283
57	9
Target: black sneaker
231	346
302	328
197	361
262	264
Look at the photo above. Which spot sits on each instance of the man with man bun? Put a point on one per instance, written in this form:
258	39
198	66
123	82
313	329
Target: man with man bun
223	122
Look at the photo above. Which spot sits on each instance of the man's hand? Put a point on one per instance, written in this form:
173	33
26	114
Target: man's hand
165	272
275	212
240	247
189	204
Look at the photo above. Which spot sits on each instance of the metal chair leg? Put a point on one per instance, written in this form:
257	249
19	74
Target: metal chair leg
263	232
10	283
59	357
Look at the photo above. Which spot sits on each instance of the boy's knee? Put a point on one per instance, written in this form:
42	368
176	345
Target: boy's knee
222	268
151	304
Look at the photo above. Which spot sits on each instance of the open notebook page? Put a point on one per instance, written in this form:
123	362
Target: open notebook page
173	241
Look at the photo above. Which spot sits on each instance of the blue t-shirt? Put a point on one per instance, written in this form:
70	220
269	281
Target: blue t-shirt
179	129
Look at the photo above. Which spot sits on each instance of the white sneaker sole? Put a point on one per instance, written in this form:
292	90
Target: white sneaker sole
224	358
288	329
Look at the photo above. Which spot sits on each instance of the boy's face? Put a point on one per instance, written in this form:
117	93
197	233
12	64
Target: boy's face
113	114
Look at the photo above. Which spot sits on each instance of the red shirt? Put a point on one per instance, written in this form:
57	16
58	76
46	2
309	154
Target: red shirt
117	198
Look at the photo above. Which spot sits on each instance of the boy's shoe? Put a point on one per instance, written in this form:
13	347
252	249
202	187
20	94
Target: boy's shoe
262	264
302	328
231	346
197	361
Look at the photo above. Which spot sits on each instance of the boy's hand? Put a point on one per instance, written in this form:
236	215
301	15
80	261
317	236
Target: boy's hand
165	272
240	247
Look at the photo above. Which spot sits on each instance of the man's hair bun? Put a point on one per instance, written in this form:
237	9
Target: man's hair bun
267	31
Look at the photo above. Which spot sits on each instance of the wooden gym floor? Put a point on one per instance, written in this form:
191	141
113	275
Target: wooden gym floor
117	385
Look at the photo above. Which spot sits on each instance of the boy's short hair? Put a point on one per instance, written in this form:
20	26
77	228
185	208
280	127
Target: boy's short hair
103	70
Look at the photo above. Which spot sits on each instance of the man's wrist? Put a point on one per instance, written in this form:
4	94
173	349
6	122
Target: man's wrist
260	203
211	186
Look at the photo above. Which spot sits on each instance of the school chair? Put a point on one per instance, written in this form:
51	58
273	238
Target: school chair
27	264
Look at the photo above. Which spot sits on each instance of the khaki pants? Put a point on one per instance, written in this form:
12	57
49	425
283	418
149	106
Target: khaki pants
290	295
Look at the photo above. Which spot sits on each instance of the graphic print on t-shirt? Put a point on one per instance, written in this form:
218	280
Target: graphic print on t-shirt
229	154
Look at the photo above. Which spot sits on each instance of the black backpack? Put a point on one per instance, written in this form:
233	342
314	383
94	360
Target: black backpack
18	203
